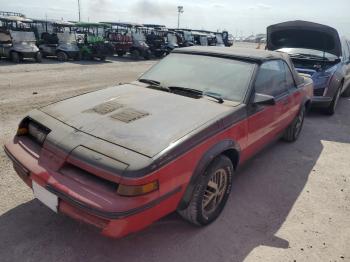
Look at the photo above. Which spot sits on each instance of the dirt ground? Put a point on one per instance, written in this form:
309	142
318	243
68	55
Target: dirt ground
290	203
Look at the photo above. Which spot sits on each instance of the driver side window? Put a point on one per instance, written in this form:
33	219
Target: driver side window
271	79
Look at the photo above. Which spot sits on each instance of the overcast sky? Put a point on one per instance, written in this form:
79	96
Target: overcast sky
241	17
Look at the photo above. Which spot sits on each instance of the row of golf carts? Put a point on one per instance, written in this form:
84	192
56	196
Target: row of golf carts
22	38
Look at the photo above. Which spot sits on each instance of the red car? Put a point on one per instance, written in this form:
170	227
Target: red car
126	156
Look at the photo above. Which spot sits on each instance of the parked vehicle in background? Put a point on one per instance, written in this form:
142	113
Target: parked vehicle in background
200	38
120	36
91	40
56	39
17	40
184	37
211	37
316	50
115	159
172	41
139	46
228	38
156	39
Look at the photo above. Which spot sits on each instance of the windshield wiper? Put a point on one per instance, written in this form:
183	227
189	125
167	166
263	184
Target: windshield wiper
149	81
217	97
154	84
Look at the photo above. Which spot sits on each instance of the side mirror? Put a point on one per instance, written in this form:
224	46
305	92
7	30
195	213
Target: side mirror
261	99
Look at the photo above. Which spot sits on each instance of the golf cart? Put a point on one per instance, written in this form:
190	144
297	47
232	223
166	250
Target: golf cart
211	37
156	40
55	38
200	38
91	41
172	41
184	37
228	38
17	40
120	37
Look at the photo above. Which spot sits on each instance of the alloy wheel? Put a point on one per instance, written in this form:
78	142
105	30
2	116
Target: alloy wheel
214	192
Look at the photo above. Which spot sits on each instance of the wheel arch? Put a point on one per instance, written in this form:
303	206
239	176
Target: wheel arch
229	148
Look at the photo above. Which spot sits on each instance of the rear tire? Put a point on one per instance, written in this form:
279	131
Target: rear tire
62	56
293	131
15	58
38	57
120	54
211	193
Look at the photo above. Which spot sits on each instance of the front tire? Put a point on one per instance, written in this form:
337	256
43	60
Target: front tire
62	56
332	107
15	57
38	57
211	193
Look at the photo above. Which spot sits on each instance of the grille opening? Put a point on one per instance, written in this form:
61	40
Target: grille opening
88	179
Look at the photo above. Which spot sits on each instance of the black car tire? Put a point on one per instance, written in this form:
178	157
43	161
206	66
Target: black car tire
135	54
147	55
15	57
332	107
102	58
195	212
294	129
62	56
346	92
120	53
38	57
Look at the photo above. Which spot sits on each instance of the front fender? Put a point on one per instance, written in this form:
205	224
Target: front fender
202	165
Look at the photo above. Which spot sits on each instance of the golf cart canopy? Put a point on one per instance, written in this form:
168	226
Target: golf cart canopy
15	19
54	22
302	34
123	24
88	24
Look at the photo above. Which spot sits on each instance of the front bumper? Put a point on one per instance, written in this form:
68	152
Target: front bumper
89	205
321	101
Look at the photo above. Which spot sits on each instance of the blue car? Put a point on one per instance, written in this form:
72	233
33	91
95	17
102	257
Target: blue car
316	50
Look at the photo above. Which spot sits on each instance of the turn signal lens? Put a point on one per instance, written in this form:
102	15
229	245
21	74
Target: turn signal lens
22	131
125	190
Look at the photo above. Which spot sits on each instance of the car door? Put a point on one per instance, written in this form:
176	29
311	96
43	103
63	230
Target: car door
295	95
266	121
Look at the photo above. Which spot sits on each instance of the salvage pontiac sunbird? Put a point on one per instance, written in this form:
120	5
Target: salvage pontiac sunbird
126	156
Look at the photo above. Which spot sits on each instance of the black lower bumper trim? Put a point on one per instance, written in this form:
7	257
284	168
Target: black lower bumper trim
321	101
111	215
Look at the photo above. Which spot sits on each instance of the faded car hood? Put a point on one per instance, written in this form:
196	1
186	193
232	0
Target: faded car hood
140	119
302	34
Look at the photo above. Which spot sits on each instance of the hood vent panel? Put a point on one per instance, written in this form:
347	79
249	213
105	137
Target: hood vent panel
107	107
129	115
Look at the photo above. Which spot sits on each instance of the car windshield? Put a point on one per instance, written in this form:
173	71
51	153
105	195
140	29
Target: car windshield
228	78
219	39
308	53
66	37
22	36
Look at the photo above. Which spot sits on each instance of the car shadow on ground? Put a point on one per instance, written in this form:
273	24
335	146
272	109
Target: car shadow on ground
263	194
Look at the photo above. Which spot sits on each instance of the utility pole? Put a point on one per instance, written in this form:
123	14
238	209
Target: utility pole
180	10
79	9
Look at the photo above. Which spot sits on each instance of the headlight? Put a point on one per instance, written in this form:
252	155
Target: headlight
125	190
33	129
